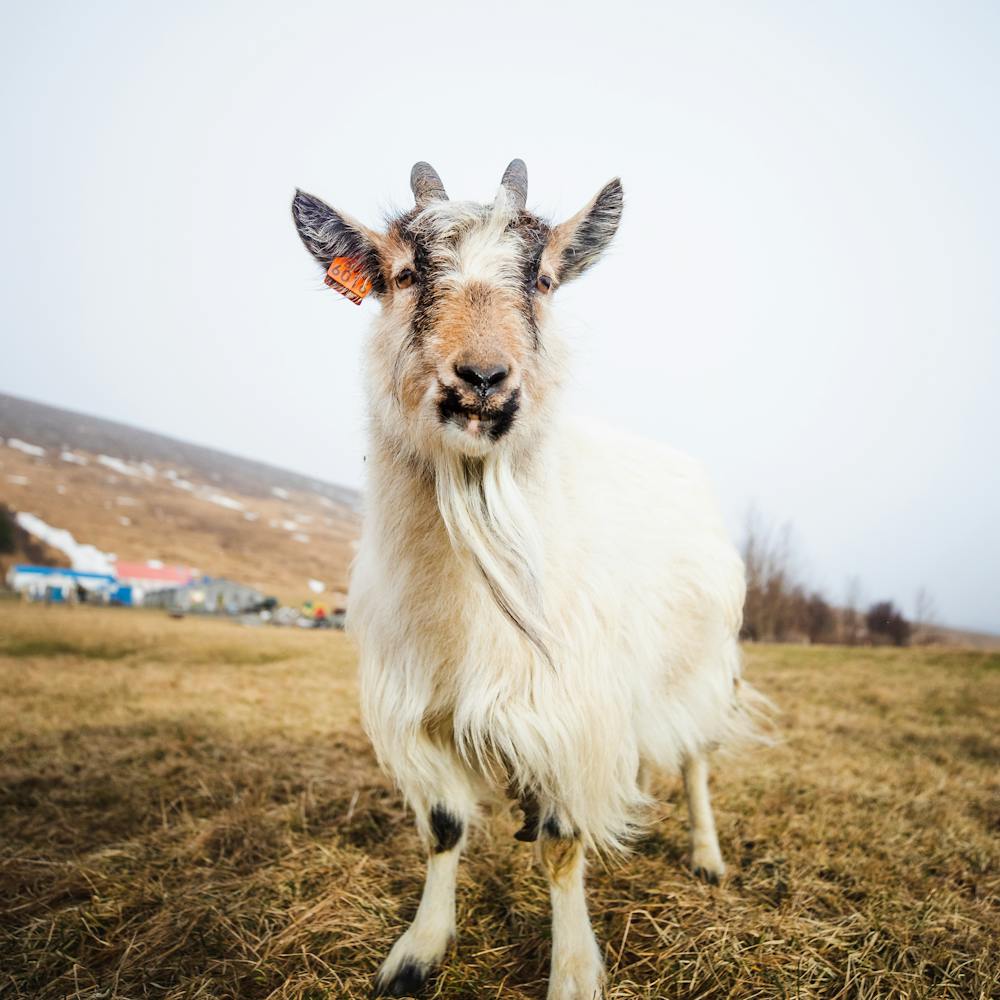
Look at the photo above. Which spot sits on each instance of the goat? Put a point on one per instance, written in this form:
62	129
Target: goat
546	611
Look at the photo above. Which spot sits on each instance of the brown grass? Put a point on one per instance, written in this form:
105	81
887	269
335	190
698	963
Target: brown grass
190	810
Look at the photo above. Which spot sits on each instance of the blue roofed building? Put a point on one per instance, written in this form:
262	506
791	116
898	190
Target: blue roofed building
58	584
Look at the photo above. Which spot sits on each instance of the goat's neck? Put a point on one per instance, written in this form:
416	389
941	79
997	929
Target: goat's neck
473	521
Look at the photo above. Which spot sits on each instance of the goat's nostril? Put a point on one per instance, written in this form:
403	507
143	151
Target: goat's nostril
482	379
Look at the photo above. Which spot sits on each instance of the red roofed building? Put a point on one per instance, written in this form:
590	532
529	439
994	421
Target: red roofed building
148	577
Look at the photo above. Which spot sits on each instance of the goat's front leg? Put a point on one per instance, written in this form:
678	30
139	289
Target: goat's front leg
577	968
443	827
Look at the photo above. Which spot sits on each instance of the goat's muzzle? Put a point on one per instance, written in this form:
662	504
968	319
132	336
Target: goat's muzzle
480	408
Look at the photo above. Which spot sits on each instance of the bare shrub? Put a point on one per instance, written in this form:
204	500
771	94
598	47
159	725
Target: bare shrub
887	623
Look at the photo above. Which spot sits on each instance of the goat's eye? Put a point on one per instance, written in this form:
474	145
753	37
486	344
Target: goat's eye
544	283
405	278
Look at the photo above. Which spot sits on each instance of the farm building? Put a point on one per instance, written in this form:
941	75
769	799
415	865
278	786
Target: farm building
145	578
59	584
207	595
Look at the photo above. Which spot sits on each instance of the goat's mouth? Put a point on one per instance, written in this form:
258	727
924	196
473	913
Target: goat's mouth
480	418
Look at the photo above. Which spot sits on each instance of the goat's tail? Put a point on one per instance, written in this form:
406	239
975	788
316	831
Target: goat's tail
753	718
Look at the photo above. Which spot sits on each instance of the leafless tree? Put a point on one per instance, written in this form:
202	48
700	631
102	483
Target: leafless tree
851	615
779	607
767	551
820	622
925	630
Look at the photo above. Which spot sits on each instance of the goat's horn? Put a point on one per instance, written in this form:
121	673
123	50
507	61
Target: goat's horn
426	185
515	180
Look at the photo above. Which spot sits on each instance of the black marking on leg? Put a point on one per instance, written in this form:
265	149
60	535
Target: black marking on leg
555	830
552	829
408	980
447	829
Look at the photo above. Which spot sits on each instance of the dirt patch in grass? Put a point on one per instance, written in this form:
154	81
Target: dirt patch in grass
202	818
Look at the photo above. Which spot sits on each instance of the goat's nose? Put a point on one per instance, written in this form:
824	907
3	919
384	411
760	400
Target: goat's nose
482	378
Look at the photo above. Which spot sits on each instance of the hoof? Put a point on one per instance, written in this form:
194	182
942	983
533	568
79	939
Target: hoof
407	981
707	863
708	875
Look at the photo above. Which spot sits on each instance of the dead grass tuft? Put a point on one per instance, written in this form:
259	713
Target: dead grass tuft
197	815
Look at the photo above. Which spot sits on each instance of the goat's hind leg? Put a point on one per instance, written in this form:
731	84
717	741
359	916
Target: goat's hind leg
706	858
443	822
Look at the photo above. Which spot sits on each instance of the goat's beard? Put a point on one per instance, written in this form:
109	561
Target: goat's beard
490	522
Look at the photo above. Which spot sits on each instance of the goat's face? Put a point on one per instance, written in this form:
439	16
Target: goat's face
460	357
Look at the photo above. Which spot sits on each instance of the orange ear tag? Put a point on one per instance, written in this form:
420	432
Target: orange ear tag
344	275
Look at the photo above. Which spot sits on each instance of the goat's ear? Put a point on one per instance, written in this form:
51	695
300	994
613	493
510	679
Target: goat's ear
581	240
327	233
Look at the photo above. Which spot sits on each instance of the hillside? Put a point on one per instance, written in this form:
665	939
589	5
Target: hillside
142	496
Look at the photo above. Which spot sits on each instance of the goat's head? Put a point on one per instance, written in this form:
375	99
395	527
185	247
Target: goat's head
460	355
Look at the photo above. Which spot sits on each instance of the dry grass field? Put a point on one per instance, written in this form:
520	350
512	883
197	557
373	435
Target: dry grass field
189	809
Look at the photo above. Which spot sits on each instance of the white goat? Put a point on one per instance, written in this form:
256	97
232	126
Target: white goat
546	612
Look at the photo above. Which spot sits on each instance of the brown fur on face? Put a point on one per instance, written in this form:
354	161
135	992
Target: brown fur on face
478	323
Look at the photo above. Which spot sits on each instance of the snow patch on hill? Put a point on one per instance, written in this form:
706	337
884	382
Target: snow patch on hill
223	501
29	449
85	558
140	470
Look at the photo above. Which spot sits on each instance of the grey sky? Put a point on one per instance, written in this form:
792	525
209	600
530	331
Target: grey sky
804	293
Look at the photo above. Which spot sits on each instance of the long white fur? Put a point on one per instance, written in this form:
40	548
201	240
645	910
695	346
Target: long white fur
642	594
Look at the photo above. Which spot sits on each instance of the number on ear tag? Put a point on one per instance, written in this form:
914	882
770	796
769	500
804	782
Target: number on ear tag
344	275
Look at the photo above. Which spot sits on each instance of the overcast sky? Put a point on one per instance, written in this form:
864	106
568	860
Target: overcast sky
804	292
